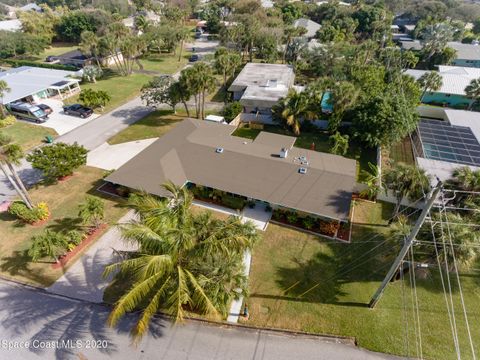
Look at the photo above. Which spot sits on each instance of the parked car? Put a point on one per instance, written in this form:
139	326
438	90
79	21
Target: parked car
46	109
194	58
50	59
78	110
26	111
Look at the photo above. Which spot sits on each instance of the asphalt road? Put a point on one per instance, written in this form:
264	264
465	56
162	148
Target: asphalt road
77	330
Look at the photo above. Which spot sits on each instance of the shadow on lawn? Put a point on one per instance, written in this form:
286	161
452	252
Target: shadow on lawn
18	264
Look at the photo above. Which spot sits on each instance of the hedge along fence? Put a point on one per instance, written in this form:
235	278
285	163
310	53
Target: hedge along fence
18	63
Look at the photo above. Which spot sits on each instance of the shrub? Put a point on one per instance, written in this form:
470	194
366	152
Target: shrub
233	202
94	98
232	110
74	237
18	63
308	222
7	121
268	208
29	216
328	228
292	217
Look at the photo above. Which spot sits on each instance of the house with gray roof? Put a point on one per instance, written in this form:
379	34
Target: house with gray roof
33	83
259	86
268	169
310	26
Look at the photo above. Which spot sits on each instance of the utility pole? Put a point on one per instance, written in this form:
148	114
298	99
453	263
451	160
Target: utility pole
406	246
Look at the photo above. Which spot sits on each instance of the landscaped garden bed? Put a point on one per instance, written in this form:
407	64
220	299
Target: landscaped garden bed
329	228
218	197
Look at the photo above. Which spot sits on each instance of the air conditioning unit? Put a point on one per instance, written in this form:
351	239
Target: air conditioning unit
283	153
219	150
302	170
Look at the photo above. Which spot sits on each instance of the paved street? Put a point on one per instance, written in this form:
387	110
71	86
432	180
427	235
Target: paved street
34	316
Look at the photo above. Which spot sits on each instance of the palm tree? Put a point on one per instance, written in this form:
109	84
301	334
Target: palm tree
184	260
10	155
90	44
473	92
292	109
343	96
3	90
48	243
92	211
467	179
406	181
372	179
430	81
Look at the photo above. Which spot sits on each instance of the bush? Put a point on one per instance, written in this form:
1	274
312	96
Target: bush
308	222
74	237
328	228
29	216
7	121
233	202
292	217
232	110
18	63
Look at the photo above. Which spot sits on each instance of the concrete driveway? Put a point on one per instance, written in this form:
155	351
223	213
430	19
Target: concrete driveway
111	157
60	122
83	280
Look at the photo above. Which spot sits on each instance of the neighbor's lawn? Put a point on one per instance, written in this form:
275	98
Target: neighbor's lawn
63	199
165	63
57	49
27	135
153	125
120	88
321	140
302	282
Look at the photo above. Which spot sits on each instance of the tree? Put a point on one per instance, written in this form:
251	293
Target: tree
58	160
92	211
92	73
10	155
177	92
435	39
430	81
157	91
289	34
372	179
292	109
473	92
73	24
40	24
49	243
343	96
199	81
406	181
175	268
90	45
466	179
94	98
4	88
339	144
231	110
226	63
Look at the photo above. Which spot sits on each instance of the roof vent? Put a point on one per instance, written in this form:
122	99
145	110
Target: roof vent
302	170
283	153
305	162
219	150
302	158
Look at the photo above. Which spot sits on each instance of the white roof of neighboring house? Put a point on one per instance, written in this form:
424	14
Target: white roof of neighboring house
411	45
455	78
25	81
311	26
326	2
29	7
465	118
466	51
267	3
11	25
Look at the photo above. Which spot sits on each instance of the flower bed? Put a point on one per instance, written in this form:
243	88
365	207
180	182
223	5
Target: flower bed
88	239
36	216
309	223
218	197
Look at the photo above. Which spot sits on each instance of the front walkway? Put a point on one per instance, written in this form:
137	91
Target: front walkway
84	280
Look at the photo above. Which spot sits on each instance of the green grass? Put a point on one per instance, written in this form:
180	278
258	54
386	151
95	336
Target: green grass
153	125
321	140
120	88
27	135
165	63
301	282
62	199
54	50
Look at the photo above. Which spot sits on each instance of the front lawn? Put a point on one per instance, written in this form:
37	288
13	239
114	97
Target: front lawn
27	135
153	125
321	142
62	199
165	63
303	282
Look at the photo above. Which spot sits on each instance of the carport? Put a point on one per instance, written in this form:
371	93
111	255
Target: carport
65	88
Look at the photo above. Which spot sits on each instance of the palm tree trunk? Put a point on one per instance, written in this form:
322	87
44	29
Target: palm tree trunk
196	105
470	106
181	50
20	184
2	112
203	104
186	108
14	184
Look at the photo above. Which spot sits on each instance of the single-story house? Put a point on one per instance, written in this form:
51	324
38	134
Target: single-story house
31	7
11	25
445	144
259	86
149	15
454	81
268	169
79	59
33	83
310	26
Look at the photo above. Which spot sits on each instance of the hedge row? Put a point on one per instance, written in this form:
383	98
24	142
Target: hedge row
18	63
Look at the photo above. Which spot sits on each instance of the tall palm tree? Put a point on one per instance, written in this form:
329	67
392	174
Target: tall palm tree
406	181
430	81
3	90
473	92
90	44
10	155
292	109
466	178
175	267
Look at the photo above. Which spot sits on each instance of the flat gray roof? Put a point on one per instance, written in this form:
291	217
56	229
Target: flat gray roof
264	75
26	80
248	168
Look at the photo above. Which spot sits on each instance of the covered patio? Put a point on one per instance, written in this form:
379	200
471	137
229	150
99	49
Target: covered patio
64	89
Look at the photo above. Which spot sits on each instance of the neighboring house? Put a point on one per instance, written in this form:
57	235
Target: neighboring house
31	84
454	81
322	2
267	169
259	86
78	59
31	7
414	45
448	143
149	15
267	4
11	25
311	26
